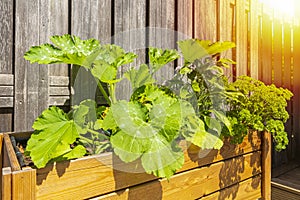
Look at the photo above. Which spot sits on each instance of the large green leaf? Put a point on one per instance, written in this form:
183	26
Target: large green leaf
159	57
104	71
139	77
54	133
195	132
193	49
69	49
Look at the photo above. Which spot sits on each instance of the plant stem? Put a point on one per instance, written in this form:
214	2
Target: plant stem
112	90
103	92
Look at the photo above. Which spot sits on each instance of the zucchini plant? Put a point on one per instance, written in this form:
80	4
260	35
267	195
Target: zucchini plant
146	127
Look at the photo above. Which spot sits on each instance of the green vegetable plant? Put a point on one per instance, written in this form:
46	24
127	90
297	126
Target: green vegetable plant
147	127
260	107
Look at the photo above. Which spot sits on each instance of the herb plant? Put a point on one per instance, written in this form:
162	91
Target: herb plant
261	107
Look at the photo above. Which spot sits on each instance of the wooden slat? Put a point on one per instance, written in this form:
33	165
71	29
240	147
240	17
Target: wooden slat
6	102
88	22
96	175
57	23
13	161
6	36
266	166
6	119
296	90
59	101
162	34
24	184
59	81
130	34
31	81
59	91
6	79
205	20
6	183
266	72
185	24
241	22
254	38
195	183
248	189
281	191
278	46
226	30
6	91
1	161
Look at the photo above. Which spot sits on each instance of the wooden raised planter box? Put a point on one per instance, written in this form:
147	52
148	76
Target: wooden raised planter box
236	172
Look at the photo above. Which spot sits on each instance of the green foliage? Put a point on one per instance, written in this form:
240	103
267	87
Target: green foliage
193	105
206	77
261	107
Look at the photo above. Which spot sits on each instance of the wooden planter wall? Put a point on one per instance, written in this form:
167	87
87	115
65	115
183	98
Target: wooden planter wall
236	171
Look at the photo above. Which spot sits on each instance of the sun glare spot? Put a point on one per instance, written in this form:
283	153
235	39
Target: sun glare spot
282	8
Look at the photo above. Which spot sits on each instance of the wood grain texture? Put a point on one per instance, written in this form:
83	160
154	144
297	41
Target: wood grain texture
162	32
13	161
225	23
281	191
241	25
266	71
130	33
55	22
198	182
6	184
254	38
6	79
90	19
296	91
205	16
24	184
266	166
105	173
248	189
6	102
6	36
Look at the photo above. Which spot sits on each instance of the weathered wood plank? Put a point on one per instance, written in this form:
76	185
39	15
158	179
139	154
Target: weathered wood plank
205	20
6	102
197	182
59	91
130	33
278	45
56	22
185	24
13	161
90	19
6	36
296	91
226	31
162	33
254	38
248	189
1	162
59	101
6	119
6	183
6	91
266	165
241	25
266	46
6	79
59	81
24	184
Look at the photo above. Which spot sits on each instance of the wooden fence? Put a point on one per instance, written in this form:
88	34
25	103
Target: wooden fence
266	48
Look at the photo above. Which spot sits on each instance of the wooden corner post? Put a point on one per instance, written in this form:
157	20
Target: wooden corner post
266	165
